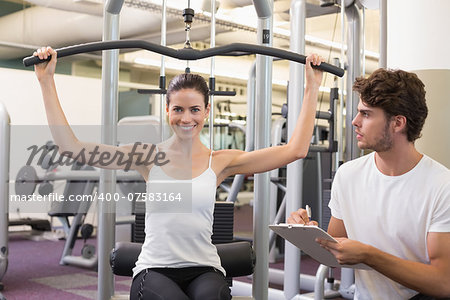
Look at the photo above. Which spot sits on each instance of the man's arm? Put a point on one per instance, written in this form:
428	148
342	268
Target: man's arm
430	279
336	228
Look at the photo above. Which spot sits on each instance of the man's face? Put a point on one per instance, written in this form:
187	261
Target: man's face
373	130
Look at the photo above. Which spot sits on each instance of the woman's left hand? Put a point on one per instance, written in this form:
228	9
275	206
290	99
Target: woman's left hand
313	76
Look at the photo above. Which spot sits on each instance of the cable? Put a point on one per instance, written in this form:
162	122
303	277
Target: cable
328	61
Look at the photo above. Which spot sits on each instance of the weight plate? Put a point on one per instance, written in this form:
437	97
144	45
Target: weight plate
26	181
88	251
47	161
86	231
45	188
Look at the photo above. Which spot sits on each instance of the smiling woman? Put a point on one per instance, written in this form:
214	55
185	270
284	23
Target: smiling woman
178	259
187	104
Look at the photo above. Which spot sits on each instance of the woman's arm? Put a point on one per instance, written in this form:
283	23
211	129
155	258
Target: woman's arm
63	135
240	162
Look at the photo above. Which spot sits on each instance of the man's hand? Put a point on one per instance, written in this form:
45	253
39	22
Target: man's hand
300	217
347	252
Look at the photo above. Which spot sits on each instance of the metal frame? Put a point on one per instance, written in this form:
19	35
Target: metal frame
236	49
83	175
249	131
353	71
162	73
211	77
262	136
276	217
4	189
110	95
382	63
294	176
263	112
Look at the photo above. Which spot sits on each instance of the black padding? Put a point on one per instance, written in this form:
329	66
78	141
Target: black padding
223	222
123	258
238	259
36	224
185	53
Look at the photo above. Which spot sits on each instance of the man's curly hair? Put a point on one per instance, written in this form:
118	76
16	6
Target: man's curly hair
396	92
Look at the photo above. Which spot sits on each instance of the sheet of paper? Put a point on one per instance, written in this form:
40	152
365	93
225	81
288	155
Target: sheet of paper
304	236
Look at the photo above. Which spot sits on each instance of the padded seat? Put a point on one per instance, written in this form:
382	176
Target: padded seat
238	258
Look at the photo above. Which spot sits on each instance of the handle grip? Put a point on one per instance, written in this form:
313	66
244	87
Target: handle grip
185	54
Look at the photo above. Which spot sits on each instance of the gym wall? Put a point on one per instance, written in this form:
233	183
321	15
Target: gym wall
418	42
80	98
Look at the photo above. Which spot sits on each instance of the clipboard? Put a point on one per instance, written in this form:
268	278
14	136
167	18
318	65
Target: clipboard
303	237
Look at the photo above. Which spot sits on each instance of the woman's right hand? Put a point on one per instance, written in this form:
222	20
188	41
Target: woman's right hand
45	70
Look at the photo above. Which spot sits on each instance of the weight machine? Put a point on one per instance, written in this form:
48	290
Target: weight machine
263	107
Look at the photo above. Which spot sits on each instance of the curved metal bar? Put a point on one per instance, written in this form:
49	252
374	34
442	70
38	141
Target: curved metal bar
185	54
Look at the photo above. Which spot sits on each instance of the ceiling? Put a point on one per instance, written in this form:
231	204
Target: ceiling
25	25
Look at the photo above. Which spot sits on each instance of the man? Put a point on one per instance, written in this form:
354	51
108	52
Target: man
391	208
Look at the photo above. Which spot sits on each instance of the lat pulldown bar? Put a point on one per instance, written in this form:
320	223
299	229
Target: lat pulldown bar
185	54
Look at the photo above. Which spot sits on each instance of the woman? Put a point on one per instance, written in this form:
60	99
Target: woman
177	260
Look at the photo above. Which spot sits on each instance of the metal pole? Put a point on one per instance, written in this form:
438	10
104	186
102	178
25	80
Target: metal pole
340	126
129	176
107	185
162	73
354	70
295	169
319	183
319	289
4	188
277	128
363	41
263	114
249	131
352	151
213	60
250	119
382	63
336	124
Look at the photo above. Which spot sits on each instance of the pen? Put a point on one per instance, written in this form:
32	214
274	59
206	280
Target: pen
308	211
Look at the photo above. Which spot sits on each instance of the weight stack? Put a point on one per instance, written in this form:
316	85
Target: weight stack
139	224
326	212
326	197
223	222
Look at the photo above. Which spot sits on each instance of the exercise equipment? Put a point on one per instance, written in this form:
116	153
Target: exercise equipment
88	250
109	75
27	178
80	180
184	54
26	181
4	191
237	258
77	210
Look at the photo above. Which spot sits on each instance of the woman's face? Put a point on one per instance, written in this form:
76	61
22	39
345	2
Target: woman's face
187	113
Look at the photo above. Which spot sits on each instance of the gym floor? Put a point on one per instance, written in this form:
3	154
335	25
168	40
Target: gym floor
34	271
